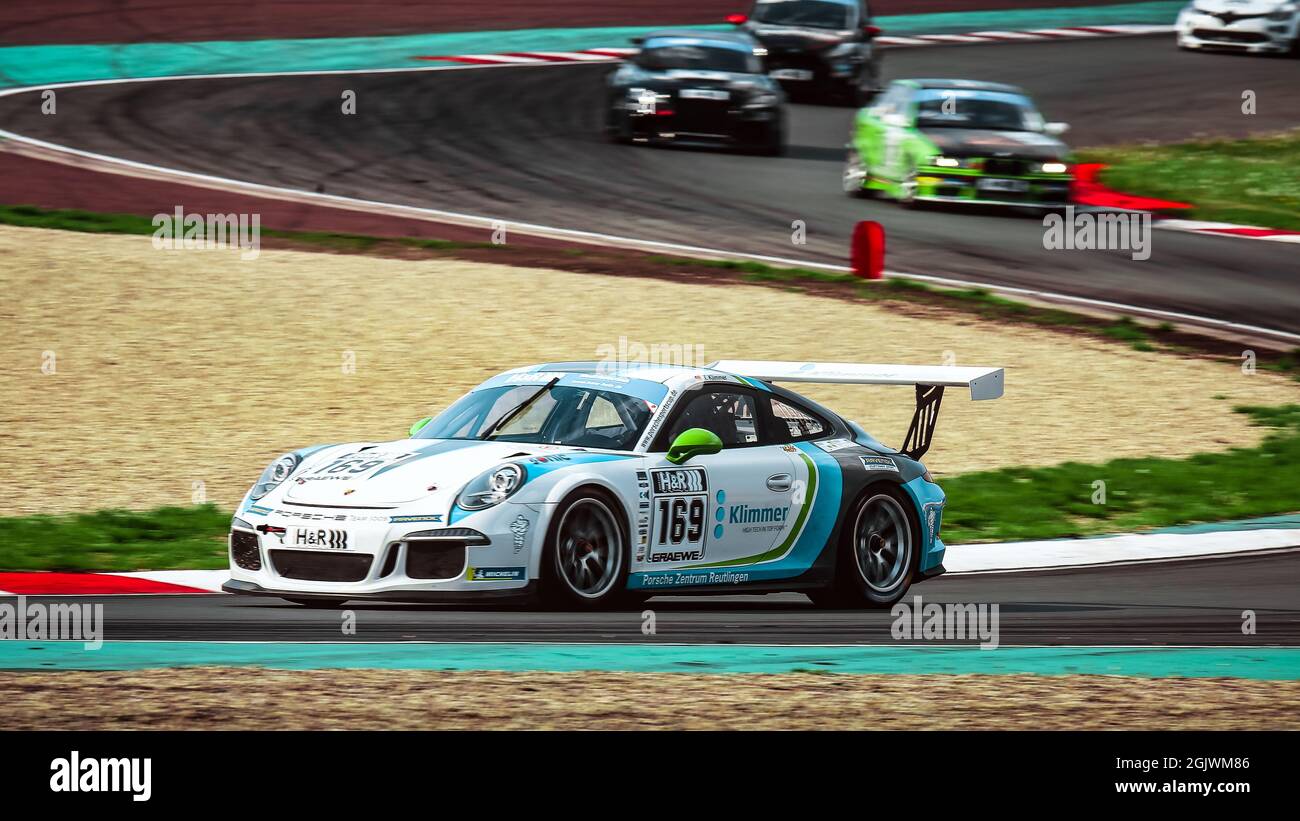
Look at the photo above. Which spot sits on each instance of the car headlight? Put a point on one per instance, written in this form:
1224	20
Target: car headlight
1053	168
491	487
763	100
1283	12
275	473
843	50
945	162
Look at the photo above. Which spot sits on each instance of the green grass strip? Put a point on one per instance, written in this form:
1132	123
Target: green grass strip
1248	182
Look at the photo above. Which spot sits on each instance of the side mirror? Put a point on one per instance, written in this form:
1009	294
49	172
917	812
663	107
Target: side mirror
418	426
693	442
737	19
1056	129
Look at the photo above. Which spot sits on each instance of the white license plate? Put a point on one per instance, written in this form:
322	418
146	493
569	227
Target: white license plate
704	94
330	538
1016	186
792	74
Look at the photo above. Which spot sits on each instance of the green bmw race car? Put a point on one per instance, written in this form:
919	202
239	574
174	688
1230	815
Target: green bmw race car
957	141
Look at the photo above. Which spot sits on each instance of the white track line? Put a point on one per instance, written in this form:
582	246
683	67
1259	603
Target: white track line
1122	549
531	229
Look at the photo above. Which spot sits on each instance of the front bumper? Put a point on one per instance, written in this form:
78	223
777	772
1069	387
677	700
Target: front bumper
725	124
974	188
381	556
1256	35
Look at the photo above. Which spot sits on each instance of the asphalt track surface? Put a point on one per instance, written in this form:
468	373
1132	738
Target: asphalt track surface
522	144
1167	603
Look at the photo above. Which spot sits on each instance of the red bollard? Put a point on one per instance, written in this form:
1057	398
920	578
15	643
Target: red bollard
868	253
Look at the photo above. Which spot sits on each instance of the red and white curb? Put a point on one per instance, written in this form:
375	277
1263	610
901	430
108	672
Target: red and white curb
152	582
597	55
1053	554
1228	229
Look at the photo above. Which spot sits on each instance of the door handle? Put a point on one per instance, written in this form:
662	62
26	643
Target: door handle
779	483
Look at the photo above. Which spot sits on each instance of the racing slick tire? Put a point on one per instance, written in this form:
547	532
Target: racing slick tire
769	141
879	552
855	173
587	553
317	604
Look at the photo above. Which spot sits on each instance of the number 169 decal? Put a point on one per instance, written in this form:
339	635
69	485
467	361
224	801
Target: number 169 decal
680	515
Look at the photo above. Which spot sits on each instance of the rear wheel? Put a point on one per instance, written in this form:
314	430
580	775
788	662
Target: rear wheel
586	560
879	552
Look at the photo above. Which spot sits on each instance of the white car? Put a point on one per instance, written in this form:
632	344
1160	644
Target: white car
586	483
1241	25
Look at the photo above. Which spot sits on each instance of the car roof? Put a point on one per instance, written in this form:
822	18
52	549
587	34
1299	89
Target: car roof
737	40
649	371
964	85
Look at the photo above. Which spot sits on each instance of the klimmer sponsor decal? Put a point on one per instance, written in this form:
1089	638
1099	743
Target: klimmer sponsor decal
744	514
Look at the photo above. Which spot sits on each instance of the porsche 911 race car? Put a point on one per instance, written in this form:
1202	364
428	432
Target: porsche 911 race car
686	87
589	483
817	47
957	141
1263	26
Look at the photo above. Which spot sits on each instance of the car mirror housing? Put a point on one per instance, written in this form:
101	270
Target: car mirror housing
693	442
418	426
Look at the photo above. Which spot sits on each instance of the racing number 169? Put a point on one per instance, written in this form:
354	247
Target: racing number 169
681	520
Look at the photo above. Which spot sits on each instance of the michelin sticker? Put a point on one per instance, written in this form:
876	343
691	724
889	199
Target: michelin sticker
495	574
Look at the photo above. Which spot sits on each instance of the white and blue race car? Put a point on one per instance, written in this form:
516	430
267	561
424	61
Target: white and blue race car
587	484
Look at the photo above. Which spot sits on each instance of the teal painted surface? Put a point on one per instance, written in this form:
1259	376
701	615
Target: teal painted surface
43	65
1289	521
1275	663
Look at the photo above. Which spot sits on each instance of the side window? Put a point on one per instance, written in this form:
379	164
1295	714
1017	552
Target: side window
896	100
795	424
732	415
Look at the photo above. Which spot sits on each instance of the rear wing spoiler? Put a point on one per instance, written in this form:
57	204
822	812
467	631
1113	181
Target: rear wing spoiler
929	381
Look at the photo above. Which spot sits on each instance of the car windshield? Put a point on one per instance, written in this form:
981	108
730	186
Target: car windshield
813	13
560	415
963	108
699	56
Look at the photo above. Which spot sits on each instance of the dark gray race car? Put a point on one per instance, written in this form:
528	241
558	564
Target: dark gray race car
818	48
696	88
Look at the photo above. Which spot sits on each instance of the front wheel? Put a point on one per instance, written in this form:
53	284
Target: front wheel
586	560
907	189
879	552
854	177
